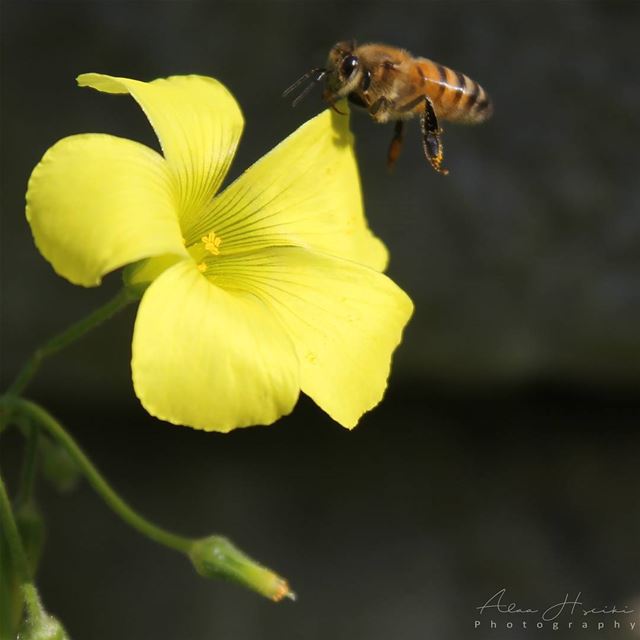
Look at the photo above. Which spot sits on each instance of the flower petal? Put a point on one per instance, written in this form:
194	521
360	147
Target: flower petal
198	123
96	202
305	192
344	319
209	358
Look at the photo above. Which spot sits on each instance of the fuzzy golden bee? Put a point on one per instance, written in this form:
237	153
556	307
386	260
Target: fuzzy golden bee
392	85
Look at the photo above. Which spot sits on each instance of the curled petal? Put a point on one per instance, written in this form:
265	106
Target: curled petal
344	319
198	123
304	192
209	358
96	202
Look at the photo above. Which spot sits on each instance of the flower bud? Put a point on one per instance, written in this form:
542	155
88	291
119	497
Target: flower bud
217	557
39	625
47	628
58	467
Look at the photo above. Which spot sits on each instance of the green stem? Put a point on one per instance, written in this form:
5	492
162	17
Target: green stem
17	555
16	566
12	536
95	478
70	335
6	590
27	479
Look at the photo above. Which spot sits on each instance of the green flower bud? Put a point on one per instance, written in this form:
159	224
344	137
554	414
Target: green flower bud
58	467
46	628
217	557
39	625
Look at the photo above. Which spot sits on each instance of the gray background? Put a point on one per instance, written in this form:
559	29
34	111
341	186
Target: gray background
505	453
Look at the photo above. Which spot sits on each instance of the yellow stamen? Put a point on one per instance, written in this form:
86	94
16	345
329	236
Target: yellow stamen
202	267
212	243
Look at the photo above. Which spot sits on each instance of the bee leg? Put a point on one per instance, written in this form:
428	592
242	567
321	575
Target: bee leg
396	144
431	142
380	109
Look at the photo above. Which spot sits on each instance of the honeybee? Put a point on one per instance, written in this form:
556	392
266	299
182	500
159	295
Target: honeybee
392	85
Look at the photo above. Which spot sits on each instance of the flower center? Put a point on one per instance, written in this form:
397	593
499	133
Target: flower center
203	252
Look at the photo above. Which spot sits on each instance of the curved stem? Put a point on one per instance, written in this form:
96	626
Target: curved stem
95	478
74	332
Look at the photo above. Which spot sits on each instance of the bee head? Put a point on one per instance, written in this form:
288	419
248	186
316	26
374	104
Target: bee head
341	75
344	71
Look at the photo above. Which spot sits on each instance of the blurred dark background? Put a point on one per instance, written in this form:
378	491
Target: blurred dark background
505	454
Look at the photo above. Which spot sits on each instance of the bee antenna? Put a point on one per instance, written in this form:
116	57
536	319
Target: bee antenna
315	75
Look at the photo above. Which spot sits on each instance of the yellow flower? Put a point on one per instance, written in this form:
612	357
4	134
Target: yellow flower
270	287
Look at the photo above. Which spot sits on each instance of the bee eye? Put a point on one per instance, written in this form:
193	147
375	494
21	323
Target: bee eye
349	65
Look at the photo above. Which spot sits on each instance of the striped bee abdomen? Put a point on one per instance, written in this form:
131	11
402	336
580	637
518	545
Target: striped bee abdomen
455	96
